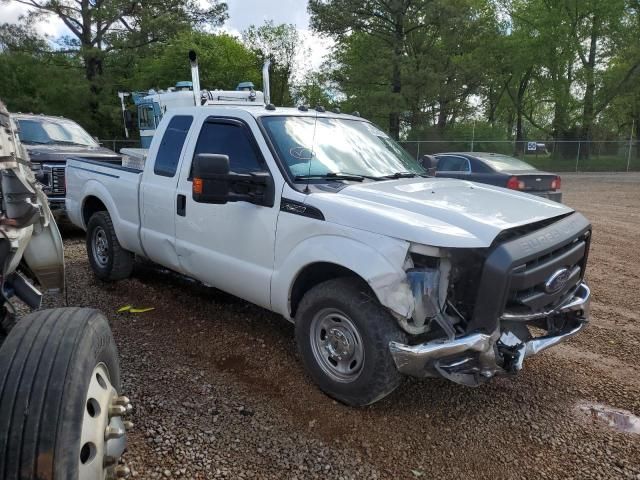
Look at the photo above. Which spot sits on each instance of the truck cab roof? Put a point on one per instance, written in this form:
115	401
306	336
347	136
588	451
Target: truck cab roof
258	111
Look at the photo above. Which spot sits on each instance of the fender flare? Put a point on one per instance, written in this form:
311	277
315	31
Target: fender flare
381	267
93	188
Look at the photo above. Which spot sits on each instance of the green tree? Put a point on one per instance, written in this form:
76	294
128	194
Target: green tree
98	27
389	23
281	44
223	62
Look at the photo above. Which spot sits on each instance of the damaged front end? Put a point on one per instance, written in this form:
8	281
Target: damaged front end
478	313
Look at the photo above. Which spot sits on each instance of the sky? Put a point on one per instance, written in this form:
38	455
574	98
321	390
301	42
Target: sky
242	14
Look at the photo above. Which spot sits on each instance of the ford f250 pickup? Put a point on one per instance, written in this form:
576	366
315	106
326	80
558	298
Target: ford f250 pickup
324	219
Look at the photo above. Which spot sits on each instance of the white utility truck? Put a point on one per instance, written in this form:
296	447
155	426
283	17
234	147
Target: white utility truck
324	219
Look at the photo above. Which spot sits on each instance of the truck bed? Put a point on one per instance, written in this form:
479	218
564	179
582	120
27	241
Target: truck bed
115	186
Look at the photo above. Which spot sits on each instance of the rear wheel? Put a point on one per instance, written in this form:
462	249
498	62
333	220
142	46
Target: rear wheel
108	260
60	413
343	335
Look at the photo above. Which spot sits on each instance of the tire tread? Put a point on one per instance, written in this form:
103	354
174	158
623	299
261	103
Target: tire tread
122	260
358	297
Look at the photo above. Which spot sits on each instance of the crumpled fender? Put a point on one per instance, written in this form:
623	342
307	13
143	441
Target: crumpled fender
378	259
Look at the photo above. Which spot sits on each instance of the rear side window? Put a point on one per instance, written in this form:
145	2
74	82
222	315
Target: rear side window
171	146
229	139
453	164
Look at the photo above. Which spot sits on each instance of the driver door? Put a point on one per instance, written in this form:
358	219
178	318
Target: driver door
229	246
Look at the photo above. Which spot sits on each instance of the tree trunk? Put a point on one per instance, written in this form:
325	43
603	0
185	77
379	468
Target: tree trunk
396	75
522	90
588	112
443	114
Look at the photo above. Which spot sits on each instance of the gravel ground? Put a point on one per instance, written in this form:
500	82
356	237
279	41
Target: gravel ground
219	392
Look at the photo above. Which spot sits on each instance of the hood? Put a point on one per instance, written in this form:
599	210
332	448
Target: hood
437	211
59	153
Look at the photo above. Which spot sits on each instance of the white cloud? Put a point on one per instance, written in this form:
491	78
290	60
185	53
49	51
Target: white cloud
244	13
51	26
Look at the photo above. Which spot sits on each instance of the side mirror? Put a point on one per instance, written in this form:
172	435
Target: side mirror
430	164
211	178
214	183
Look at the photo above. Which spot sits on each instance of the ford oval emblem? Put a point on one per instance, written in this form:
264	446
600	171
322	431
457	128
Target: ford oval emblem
557	281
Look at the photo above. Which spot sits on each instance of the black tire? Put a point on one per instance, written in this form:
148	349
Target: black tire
378	375
119	262
46	364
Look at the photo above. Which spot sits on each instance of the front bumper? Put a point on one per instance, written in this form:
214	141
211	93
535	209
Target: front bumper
56	203
472	359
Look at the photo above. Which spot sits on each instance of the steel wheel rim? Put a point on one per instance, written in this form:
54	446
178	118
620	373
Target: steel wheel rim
100	246
336	345
102	440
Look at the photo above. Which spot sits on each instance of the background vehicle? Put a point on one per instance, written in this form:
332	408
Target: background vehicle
49	142
151	105
500	170
61	416
325	220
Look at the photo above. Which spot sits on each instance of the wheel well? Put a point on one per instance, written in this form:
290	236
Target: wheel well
91	206
315	274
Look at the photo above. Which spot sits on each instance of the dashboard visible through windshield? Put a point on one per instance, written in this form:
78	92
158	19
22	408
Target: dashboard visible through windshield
337	149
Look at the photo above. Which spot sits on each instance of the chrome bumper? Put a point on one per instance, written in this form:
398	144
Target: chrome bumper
426	359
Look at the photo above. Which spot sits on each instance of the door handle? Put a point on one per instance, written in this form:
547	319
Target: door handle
181	205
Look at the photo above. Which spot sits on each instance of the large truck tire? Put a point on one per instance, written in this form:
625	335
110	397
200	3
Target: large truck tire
60	413
108	260
343	336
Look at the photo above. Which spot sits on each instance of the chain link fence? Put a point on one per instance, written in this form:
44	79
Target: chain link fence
557	156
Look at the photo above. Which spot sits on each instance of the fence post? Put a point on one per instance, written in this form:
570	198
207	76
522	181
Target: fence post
630	145
578	156
418	152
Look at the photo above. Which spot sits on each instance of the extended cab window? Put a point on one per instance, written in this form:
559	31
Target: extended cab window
171	146
229	139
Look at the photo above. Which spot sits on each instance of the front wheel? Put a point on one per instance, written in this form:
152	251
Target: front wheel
343	335
60	413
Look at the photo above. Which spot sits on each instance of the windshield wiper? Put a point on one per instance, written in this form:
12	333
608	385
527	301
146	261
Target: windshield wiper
333	176
68	142
397	175
34	142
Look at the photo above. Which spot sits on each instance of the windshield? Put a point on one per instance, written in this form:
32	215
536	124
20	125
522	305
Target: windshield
504	163
44	131
325	147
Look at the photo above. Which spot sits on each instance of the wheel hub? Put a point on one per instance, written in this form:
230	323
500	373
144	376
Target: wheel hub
100	246
103	438
336	345
339	343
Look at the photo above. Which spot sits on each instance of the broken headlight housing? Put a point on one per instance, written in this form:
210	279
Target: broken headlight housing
428	270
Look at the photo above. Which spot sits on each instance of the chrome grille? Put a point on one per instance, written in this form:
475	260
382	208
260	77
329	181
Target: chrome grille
58	186
527	284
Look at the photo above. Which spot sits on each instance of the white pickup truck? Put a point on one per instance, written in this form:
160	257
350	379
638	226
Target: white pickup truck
324	219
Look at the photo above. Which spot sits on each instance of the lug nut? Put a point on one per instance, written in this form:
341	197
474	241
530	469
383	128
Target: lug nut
128	425
121	400
113	432
122	471
129	408
117	410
